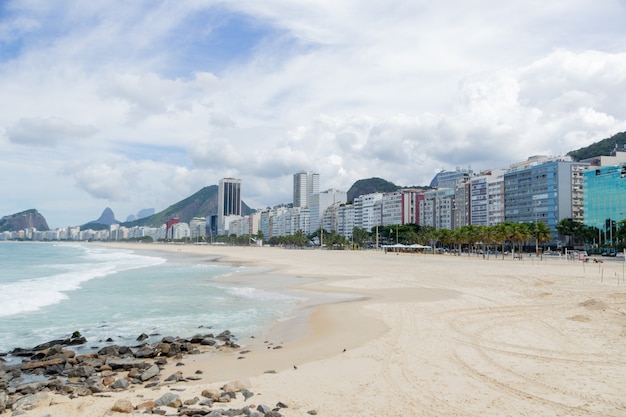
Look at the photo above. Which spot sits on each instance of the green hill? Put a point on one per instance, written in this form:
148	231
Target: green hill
603	147
201	204
371	185
23	220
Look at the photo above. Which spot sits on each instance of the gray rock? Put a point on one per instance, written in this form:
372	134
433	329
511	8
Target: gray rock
191	401
168	399
126	363
232	412
120	383
3	401
175	377
263	408
150	373
145	352
246	394
82	371
109	350
30	401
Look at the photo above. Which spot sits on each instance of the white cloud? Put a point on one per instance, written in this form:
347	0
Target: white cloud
141	107
48	131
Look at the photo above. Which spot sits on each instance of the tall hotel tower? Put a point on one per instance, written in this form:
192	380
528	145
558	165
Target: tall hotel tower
228	203
305	184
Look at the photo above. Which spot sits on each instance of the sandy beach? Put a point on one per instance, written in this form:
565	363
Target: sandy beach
423	335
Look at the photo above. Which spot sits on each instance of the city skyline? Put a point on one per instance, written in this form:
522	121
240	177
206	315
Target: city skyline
132	105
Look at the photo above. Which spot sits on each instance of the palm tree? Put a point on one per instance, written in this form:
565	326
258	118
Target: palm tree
519	233
486	234
541	233
445	236
501	234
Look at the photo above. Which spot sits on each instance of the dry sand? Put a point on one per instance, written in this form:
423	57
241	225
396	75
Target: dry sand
430	335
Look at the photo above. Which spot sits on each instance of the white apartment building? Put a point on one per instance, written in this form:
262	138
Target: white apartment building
345	220
197	226
321	201
437	209
180	231
368	211
330	218
392	208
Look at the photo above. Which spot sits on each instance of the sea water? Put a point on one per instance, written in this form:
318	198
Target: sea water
48	291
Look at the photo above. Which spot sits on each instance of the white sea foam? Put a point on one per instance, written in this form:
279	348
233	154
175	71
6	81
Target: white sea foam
32	294
260	295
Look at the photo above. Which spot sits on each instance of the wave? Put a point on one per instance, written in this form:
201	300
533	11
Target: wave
32	294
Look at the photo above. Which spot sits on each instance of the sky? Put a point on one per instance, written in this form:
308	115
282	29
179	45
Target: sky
139	104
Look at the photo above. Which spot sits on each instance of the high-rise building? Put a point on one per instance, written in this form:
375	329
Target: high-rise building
605	197
320	202
544	189
228	203
305	184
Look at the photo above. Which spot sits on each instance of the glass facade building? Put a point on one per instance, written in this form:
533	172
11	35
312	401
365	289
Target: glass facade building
605	197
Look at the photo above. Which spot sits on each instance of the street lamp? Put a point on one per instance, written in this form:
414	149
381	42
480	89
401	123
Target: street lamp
537	204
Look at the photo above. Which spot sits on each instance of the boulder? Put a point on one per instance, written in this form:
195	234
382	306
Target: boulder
81	371
120	383
142	337
145	406
30	401
21	352
145	352
108	380
234	386
263	408
126	363
169	399
213	394
42	364
112	350
175	377
150	373
125	351
77	341
122	406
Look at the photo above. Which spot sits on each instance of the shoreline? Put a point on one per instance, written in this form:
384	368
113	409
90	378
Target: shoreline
303	335
430	335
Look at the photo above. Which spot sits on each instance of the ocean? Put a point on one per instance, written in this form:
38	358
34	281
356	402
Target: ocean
50	290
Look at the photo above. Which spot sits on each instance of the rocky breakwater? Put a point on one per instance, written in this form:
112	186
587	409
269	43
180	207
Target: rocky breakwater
54	368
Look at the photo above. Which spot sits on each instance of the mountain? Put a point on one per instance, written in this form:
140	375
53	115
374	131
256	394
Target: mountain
371	185
107	217
603	147
142	213
201	204
23	220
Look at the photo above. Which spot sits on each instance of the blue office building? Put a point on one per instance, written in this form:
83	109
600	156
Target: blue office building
544	189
